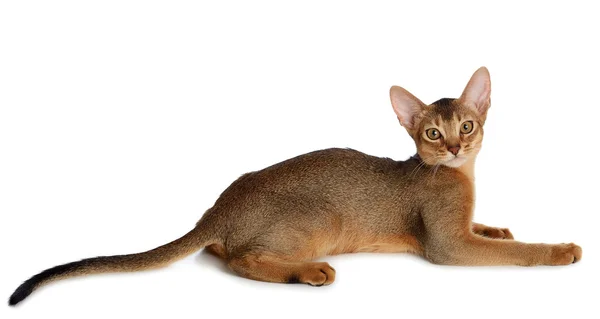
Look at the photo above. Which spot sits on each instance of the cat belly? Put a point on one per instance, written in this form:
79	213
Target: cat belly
376	244
398	244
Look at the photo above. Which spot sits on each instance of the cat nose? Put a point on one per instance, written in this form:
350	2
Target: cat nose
454	149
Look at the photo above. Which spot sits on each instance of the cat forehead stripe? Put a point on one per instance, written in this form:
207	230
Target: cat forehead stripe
444	107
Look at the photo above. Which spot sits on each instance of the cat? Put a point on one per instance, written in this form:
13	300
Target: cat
270	224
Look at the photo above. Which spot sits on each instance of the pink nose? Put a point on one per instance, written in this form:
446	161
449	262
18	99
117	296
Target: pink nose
454	149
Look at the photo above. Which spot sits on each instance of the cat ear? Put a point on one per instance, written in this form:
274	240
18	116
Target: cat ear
477	93
406	106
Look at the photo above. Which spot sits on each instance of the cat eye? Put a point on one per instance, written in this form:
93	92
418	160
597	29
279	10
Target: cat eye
433	134
466	127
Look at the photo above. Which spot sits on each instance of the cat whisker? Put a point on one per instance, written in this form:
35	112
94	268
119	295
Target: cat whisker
435	169
415	171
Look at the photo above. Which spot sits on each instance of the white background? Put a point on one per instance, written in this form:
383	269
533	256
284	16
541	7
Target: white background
121	122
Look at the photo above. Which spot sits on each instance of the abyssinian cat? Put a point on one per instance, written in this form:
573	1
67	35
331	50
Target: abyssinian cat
269	224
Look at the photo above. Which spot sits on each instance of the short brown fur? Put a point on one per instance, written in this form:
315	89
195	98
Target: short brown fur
270	224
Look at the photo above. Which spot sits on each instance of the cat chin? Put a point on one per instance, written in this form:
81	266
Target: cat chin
455	162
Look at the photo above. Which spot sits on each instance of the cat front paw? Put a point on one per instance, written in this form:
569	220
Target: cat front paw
497	233
565	254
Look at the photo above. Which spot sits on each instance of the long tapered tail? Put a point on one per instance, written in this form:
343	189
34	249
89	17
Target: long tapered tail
155	258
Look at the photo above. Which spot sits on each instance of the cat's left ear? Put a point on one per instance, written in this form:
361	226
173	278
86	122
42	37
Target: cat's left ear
477	93
406	106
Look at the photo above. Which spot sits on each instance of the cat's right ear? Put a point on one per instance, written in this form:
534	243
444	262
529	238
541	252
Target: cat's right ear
406	106
477	93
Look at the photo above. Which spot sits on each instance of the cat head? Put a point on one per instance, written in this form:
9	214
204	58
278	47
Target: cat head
449	131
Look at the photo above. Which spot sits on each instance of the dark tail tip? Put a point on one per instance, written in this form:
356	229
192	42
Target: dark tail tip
24	290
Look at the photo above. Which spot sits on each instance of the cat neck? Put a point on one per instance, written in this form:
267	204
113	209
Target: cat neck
468	168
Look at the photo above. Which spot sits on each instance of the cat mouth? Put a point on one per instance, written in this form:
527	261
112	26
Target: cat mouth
455	161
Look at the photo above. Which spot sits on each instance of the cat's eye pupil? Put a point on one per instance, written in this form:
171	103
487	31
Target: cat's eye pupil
433	134
467	127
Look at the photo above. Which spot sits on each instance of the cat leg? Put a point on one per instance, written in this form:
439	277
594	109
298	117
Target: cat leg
271	268
474	250
217	250
491	232
448	237
449	240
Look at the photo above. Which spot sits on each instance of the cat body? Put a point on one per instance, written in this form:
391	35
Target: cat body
270	224
325	203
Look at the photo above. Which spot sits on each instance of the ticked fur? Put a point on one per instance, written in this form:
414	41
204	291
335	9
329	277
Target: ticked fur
270	224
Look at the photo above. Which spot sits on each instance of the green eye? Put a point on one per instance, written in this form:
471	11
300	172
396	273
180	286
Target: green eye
433	134
466	127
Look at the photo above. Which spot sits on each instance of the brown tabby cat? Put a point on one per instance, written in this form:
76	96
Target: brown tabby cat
268	225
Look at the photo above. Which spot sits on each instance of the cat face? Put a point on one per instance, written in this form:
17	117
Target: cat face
449	131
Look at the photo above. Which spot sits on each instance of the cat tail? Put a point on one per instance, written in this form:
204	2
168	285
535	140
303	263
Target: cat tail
152	259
